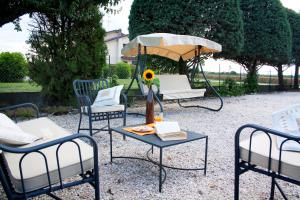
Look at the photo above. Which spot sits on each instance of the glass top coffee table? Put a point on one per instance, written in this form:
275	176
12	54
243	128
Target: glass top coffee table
155	141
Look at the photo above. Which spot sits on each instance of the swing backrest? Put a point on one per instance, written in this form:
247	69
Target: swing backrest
173	83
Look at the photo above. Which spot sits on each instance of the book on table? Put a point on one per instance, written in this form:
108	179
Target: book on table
168	131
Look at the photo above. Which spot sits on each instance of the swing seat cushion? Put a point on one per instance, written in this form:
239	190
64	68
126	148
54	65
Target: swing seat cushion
290	161
33	165
183	94
177	87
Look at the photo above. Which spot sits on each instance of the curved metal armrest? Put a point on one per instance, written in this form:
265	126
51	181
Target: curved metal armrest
48	144
23	105
266	130
124	98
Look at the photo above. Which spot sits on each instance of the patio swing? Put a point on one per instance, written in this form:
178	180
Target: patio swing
175	47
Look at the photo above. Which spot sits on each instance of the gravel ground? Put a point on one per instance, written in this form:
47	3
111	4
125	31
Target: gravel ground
129	179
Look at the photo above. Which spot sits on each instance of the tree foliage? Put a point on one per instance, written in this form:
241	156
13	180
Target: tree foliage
294	20
11	10
217	20
66	45
13	67
267	36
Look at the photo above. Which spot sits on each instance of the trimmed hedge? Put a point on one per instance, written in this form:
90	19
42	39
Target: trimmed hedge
13	67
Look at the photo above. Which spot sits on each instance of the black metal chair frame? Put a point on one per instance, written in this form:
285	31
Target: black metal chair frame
86	91
91	176
242	166
194	63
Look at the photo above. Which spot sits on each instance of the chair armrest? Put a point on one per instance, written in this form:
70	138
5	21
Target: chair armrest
124	99
38	147
23	105
267	131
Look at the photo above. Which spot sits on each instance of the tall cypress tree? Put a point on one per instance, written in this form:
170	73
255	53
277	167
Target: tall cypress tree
294	20
217	20
267	37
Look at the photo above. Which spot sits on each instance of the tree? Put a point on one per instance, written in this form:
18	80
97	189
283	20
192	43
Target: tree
217	20
294	20
11	10
267	37
66	45
13	67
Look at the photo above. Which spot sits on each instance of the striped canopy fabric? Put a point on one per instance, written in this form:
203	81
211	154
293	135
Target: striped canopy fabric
171	46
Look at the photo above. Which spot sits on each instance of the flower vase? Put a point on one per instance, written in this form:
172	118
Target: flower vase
150	107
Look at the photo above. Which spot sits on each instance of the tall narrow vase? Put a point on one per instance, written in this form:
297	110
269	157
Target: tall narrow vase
150	107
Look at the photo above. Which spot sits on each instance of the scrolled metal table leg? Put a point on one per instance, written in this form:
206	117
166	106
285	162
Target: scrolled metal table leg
160	168
110	139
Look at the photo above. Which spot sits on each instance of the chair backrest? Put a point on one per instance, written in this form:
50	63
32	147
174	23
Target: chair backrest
173	83
89	88
287	119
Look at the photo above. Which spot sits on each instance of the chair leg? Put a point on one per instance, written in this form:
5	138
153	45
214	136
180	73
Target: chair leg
97	188
90	126
236	179
272	189
80	118
236	187
124	124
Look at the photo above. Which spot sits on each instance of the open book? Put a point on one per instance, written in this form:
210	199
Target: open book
168	131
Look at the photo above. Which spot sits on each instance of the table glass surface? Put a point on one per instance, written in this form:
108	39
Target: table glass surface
154	140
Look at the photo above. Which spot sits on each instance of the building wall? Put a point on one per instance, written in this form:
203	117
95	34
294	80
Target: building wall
115	46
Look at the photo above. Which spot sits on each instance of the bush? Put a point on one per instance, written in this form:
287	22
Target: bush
13	67
123	70
114	81
231	88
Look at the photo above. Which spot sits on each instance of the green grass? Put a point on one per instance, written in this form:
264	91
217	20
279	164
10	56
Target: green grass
126	83
19	87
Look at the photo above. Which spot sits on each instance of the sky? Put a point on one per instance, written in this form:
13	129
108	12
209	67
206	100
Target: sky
11	40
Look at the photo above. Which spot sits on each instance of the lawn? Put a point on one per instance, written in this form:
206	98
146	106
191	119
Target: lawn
31	87
19	87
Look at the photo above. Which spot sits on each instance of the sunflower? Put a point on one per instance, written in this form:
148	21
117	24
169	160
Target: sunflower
148	75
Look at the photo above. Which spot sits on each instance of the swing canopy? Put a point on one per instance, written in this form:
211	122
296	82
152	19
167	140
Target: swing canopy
171	46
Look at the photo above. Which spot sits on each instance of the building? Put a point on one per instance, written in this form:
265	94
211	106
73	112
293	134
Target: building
115	40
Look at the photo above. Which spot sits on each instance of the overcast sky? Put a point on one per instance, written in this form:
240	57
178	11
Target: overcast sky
11	40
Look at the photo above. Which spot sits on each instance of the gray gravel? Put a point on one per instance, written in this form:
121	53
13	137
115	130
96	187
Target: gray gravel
129	179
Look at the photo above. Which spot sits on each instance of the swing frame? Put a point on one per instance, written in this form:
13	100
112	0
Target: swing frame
195	64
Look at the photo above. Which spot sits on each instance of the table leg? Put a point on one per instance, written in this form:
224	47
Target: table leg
160	168
111	153
205	159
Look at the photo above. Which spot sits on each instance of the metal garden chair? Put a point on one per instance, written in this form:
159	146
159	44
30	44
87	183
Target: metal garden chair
259	153
86	91
42	166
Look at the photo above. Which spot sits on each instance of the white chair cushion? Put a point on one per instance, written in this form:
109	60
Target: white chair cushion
12	134
287	121
113	108
290	165
109	96
35	175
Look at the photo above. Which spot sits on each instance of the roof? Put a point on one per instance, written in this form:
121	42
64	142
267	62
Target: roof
121	35
117	37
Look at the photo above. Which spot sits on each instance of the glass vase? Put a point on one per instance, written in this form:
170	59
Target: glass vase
150	107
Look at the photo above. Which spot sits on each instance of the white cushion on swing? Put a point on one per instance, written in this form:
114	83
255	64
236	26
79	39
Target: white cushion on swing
177	87
183	94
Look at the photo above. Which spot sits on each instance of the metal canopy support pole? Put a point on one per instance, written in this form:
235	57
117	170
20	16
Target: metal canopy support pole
198	65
